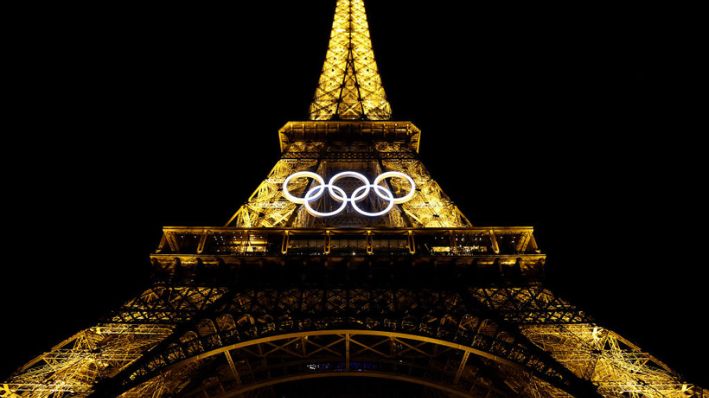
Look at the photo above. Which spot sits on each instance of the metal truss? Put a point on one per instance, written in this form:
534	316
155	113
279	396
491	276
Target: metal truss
266	207
444	340
385	135
167	304
486	246
350	87
277	295
252	365
371	147
528	305
72	367
448	326
431	207
616	366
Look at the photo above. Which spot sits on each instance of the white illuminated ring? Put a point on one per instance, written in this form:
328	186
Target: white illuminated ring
338	194
344	198
310	196
301	174
377	189
394	174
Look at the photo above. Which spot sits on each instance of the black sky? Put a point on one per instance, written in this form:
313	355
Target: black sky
552	116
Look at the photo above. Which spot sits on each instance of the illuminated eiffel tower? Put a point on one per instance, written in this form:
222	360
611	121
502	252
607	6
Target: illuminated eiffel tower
347	261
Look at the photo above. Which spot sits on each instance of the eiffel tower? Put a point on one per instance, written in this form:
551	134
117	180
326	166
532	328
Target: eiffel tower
347	261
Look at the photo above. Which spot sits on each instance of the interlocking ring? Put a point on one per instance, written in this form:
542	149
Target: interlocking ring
339	195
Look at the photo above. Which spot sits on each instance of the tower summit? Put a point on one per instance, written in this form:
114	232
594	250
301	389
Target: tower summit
350	87
348	261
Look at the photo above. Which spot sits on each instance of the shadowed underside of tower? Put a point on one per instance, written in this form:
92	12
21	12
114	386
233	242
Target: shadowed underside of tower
348	261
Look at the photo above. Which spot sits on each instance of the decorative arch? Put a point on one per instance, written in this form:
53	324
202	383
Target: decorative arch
446	366
440	337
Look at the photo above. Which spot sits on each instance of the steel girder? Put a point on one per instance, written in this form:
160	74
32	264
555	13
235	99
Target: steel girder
452	319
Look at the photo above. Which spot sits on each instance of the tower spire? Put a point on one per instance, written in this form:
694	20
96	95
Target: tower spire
350	87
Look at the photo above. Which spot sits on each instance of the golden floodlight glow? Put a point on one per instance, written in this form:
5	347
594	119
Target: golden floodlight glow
296	288
350	87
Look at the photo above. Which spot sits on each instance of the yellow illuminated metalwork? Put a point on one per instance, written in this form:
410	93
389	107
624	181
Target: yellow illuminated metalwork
237	378
616	366
267	207
72	367
535	345
307	148
350	87
431	208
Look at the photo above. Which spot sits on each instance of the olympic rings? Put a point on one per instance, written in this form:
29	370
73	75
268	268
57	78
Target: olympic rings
339	195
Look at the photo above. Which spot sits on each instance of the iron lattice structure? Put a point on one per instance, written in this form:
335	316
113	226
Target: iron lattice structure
418	295
350	87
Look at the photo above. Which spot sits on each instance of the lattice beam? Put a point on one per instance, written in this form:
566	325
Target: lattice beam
350	87
276	359
251	318
72	367
616	366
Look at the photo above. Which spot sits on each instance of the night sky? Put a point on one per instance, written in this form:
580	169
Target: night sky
552	116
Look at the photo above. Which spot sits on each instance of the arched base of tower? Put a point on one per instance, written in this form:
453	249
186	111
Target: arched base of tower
450	368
